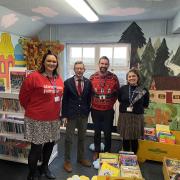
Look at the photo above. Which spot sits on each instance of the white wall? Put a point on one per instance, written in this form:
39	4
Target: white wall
100	32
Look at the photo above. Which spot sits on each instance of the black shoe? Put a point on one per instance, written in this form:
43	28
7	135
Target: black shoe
47	173
30	177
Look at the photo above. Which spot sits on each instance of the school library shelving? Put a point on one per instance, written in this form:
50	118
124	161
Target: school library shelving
13	146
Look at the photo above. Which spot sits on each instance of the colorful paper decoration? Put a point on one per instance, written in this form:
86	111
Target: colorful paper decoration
34	51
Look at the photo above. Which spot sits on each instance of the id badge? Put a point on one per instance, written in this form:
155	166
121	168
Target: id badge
56	99
129	109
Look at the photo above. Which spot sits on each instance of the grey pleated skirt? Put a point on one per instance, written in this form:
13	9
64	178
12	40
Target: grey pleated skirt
130	126
39	132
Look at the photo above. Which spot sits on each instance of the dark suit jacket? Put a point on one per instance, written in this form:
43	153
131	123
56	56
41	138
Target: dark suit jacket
74	105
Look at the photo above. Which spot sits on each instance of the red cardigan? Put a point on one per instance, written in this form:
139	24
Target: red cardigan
37	96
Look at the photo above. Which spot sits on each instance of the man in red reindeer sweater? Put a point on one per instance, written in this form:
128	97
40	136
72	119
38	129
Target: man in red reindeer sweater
104	95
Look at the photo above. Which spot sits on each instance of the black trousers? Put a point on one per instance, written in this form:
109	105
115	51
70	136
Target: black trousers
39	152
102	121
130	145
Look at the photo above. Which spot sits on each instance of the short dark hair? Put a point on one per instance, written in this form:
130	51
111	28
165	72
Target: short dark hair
135	71
42	69
79	62
104	57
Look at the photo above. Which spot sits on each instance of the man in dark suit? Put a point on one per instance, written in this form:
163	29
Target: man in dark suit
75	111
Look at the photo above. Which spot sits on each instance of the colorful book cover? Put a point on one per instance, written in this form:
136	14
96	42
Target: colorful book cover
17	76
128	160
110	158
108	170
131	171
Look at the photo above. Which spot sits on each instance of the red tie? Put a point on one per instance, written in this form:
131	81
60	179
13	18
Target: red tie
79	87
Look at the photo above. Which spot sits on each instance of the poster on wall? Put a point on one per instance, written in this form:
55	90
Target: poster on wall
17	76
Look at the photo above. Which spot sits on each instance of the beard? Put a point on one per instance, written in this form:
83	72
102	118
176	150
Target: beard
103	69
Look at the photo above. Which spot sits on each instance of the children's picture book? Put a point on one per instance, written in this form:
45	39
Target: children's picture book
109	170
17	76
110	158
128	160
131	171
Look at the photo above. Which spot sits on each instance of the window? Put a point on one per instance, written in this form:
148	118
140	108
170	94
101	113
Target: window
118	54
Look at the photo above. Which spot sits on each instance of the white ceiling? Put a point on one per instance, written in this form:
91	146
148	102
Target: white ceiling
41	12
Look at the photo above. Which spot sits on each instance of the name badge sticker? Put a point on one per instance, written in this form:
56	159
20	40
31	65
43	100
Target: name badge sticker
56	99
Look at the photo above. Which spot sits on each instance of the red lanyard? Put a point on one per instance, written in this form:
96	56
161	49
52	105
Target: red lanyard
53	83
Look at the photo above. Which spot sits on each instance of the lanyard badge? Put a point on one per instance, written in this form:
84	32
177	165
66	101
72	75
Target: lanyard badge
53	83
130	108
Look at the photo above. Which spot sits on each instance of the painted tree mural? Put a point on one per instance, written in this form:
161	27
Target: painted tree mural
176	58
162	55
147	64
133	35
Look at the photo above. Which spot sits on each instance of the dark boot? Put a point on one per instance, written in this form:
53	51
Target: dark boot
44	171
33	177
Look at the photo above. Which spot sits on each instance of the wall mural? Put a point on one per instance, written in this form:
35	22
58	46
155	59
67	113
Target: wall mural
160	73
22	53
7	59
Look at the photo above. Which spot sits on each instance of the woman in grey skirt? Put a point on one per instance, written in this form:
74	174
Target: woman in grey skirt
40	95
133	99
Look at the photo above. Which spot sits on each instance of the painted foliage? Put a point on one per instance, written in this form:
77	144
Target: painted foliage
159	65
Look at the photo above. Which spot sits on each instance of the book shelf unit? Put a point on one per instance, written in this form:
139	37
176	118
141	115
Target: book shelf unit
13	146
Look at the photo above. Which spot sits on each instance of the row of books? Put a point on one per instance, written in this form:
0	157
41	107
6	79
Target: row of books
124	164
10	105
161	134
9	127
15	148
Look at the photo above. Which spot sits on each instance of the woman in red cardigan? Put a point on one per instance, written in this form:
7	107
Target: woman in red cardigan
40	95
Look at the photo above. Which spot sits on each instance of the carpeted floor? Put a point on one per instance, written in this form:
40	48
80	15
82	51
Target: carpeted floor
16	171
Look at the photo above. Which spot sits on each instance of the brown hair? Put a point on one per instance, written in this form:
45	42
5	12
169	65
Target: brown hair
42	69
104	57
79	62
135	71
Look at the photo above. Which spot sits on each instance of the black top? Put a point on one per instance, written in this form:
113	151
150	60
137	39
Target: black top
124	98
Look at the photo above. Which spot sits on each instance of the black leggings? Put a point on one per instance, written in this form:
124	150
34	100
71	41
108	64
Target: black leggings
39	152
130	145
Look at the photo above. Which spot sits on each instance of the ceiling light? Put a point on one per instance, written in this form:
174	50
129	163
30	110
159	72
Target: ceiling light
84	9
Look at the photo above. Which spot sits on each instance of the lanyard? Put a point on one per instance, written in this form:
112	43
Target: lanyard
131	96
53	83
